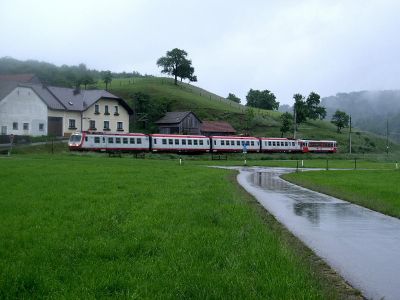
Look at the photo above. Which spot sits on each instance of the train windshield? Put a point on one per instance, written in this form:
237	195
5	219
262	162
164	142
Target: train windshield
75	138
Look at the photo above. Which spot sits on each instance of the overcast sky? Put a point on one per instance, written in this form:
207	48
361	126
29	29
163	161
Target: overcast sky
286	47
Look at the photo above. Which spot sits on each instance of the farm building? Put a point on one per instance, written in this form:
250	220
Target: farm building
209	128
179	122
29	108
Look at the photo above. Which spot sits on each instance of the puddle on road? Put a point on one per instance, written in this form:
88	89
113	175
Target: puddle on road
360	244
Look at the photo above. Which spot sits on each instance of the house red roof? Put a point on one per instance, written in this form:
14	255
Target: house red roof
22	78
216	126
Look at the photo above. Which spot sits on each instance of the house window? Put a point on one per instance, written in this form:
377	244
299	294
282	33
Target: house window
71	124
116	113
106	110
41	127
92	125
26	126
97	140
132	140
119	126
15	126
106	125
96	109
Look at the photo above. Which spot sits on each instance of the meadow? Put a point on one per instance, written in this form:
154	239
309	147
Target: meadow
89	227
375	189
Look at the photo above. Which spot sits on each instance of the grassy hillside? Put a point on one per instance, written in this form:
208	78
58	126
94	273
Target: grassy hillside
209	106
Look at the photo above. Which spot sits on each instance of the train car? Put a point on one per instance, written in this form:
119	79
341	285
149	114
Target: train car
234	144
319	146
109	142
280	145
179	143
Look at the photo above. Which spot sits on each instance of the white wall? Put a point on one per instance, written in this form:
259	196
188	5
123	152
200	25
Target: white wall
123	116
67	115
22	105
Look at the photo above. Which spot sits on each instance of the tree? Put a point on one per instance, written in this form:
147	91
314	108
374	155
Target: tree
287	122
233	98
107	78
262	99
249	117
300	109
340	119
314	111
176	64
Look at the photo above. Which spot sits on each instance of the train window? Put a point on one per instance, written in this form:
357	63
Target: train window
86	138
164	141
138	141
201	142
97	139
183	142
215	143
104	139
118	140
237	143
195	142
125	140
273	144
252	143
286	144
208	142
269	143
176	142
110	140
170	141
189	142
155	141
258	143
132	140
293	144
222	143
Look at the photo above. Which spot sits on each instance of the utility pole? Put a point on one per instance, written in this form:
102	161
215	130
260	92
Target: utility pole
295	120
350	136
387	137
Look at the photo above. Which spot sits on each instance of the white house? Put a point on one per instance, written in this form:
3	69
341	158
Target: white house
34	109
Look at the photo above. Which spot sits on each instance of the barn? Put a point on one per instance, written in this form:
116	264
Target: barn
179	122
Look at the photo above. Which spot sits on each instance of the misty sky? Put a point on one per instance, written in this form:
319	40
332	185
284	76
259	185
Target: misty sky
287	47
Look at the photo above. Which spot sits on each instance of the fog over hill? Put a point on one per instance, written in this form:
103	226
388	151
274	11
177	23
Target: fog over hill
370	110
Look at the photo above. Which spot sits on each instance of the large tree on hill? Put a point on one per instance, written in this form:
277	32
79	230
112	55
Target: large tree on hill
262	99
176	64
340	119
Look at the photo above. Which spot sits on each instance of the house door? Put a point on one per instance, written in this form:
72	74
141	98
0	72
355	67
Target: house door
55	126
3	130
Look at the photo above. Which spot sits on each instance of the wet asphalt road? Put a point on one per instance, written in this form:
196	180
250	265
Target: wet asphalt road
361	245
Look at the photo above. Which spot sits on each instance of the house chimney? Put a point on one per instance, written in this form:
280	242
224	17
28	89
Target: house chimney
77	90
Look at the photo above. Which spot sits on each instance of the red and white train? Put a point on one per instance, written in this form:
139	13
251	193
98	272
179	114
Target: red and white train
139	142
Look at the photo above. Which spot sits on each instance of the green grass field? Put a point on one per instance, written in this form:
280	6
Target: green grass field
93	227
377	190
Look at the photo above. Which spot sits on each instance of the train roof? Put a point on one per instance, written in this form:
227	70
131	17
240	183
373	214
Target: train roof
280	139
178	136
112	133
232	137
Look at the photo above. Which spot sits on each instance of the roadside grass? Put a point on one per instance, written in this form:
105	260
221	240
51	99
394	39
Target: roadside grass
89	227
378	190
